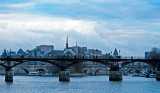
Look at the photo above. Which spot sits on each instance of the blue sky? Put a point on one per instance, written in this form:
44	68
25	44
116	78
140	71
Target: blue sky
129	25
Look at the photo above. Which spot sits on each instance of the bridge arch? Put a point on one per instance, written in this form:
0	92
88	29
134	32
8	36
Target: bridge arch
134	70
127	63
87	71
21	71
152	67
40	70
54	63
97	71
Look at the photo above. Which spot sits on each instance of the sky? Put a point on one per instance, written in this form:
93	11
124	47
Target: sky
131	26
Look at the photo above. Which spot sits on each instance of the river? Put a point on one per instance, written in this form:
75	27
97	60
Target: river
87	84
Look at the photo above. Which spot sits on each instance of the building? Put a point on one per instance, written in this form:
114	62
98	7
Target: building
45	47
20	53
147	55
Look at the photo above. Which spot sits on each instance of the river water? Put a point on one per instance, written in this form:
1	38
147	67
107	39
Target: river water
87	84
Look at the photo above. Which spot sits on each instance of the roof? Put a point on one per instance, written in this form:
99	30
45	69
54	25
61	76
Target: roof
115	52
20	51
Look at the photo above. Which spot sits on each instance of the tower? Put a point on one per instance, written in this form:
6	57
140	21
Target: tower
4	54
67	43
115	52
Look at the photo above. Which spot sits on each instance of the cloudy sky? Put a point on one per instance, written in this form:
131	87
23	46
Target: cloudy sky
133	26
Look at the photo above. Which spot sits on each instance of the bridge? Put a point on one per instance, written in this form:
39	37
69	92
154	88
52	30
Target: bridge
64	63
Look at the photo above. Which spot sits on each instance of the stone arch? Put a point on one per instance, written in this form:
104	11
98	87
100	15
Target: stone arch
21	71
134	70
90	69
87	71
40	70
97	71
152	67
25	70
127	63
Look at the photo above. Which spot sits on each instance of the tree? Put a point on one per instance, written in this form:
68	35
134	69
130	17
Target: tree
155	53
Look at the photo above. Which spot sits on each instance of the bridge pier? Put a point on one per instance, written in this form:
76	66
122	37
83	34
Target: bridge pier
9	75
115	74
158	76
158	73
64	75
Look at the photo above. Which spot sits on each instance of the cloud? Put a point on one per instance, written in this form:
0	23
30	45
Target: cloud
131	26
21	5
89	9
19	30
33	29
35	22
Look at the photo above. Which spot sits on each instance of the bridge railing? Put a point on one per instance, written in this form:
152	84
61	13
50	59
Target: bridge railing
82	57
94	57
132	57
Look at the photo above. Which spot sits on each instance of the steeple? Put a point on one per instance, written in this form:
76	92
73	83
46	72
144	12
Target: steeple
4	53
67	43
76	43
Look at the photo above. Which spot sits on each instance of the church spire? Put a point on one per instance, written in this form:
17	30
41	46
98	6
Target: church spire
76	43
67	42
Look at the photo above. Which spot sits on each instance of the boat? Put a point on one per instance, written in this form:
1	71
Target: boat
152	75
146	75
39	74
141	75
33	74
135	75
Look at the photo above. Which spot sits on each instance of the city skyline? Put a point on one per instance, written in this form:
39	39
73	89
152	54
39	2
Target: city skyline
79	46
130	26
50	48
